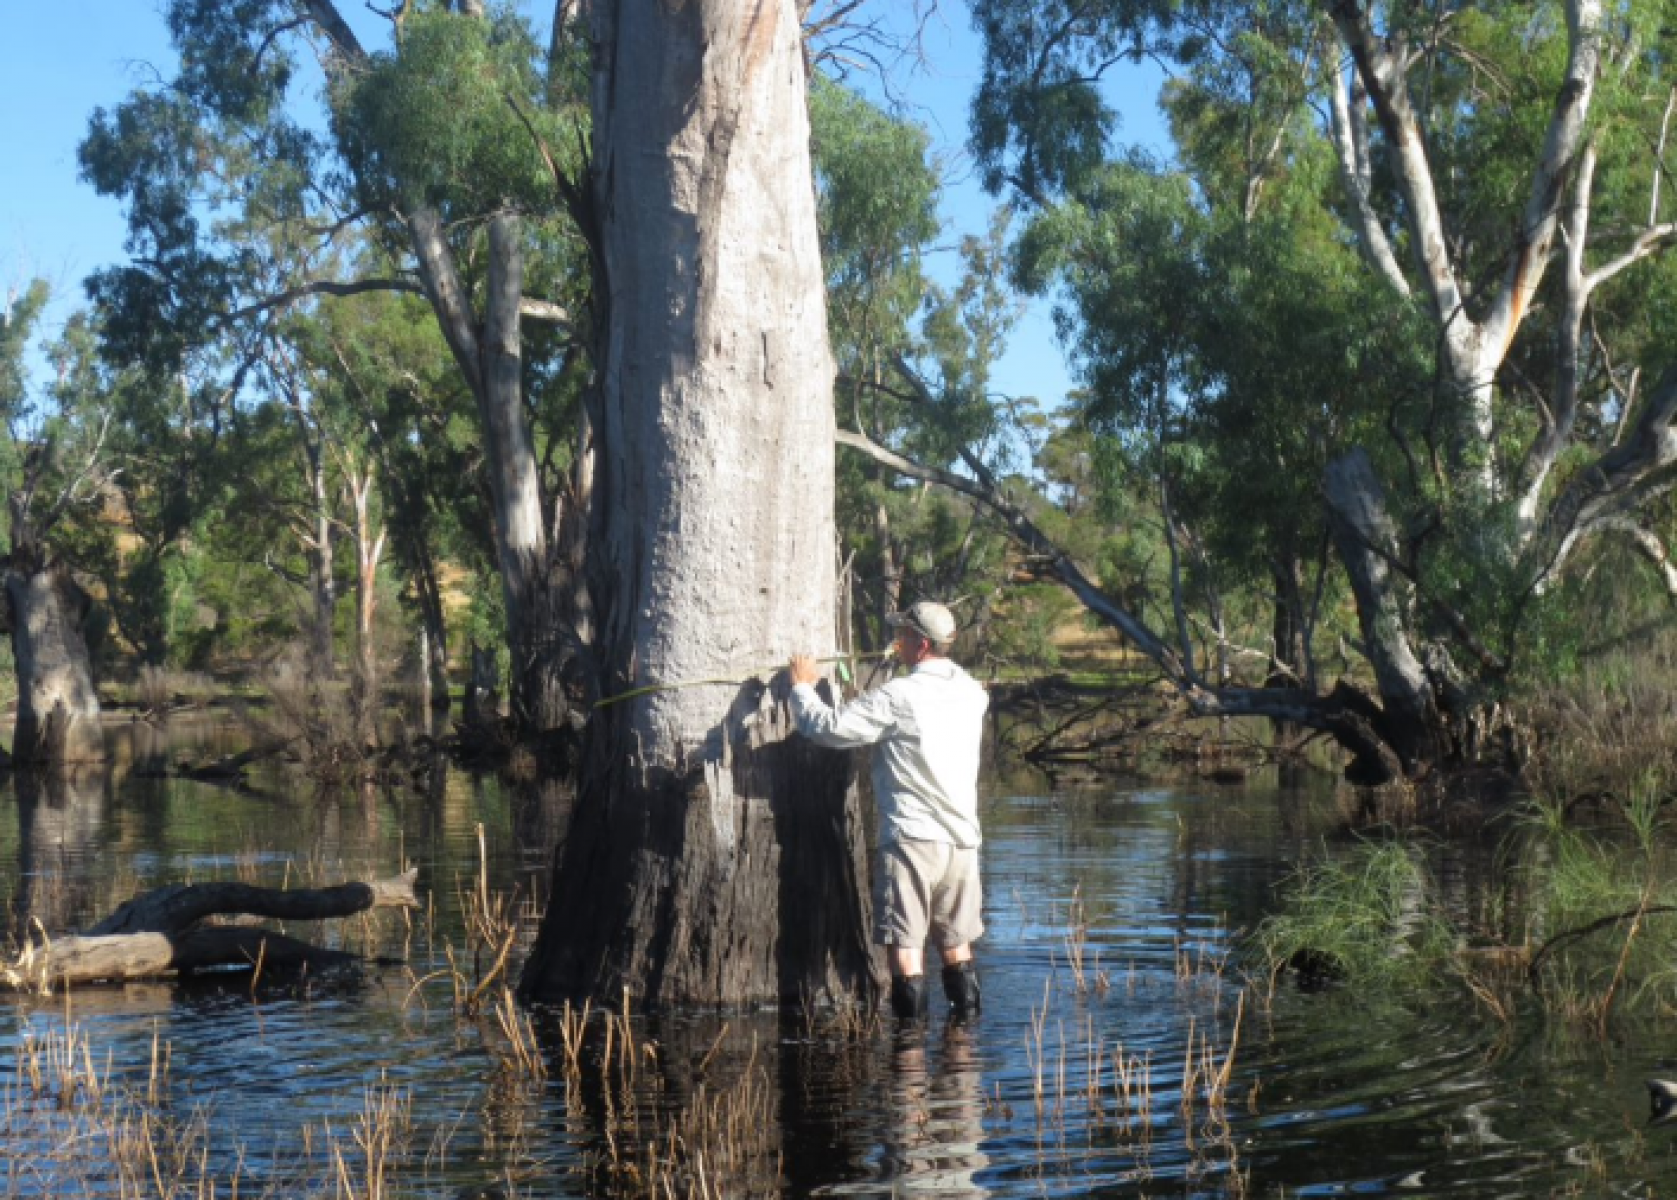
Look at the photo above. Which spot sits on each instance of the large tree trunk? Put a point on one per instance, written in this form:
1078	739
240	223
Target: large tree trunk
1366	540
57	703
713	858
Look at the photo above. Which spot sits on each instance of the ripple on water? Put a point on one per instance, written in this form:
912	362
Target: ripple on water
1327	1094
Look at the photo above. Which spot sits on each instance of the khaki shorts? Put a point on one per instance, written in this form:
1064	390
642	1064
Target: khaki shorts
926	889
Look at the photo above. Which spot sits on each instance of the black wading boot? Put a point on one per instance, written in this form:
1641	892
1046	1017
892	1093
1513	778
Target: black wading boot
908	997
960	984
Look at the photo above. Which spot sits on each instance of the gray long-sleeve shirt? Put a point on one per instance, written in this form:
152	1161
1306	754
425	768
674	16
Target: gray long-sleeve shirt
927	726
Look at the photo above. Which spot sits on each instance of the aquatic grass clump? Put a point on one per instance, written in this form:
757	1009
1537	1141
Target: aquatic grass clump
1366	919
1596	927
1605	904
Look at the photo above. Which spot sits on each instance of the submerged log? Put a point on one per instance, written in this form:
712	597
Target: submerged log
159	933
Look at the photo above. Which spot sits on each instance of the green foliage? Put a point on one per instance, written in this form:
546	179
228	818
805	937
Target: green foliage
435	117
17	328
238	384
1027	626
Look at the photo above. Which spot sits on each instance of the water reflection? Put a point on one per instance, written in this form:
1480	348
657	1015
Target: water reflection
1109	987
936	1115
59	815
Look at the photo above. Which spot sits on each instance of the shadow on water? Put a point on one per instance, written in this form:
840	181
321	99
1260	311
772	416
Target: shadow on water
1121	1051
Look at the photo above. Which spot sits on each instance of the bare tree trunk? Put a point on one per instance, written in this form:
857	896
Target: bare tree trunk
434	656
369	548
1366	541
423	670
713	858
57	703
890	576
535	686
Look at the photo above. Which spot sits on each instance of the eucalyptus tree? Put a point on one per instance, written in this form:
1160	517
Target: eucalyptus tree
438	149
408	413
51	463
165	489
1472	447
712	857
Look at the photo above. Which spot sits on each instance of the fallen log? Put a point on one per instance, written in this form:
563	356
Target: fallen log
160	933
230	769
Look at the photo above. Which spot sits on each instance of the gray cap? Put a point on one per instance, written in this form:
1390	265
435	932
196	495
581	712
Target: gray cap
931	621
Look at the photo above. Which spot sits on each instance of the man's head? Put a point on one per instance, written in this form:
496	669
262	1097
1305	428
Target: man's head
923	630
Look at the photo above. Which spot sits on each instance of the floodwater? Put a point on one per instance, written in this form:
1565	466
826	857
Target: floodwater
1122	1050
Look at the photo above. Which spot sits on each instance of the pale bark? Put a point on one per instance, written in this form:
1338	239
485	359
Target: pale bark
57	703
1475	342
323	578
1366	540
890	573
713	858
1578	285
369	549
718	376
422	669
1349	127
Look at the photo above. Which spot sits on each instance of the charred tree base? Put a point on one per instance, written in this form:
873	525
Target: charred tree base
746	882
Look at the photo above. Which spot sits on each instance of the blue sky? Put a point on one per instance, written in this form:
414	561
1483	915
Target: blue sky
64	58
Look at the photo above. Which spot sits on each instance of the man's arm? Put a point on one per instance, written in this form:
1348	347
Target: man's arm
862	722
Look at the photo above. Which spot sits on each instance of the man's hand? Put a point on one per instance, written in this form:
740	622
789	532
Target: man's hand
803	669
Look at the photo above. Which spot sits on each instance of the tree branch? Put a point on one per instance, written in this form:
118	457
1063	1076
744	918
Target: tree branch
323	287
544	310
331	22
1350	141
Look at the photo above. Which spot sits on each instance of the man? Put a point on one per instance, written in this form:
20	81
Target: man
927	726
